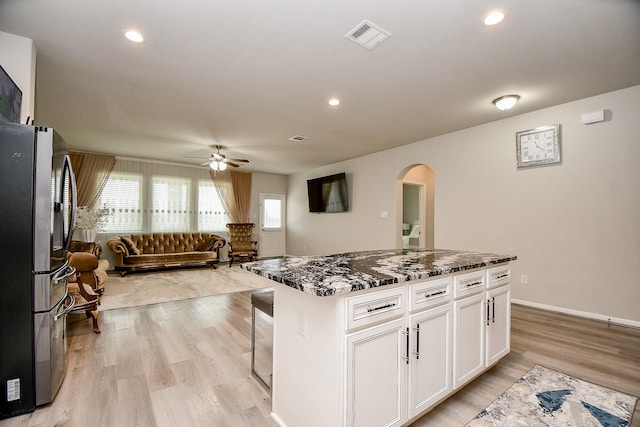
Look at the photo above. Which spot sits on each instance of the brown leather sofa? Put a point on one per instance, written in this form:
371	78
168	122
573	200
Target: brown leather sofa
136	252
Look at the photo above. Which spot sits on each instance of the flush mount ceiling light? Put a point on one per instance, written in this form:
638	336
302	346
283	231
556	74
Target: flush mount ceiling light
494	18
506	102
334	102
134	36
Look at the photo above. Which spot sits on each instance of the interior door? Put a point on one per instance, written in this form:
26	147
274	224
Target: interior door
272	225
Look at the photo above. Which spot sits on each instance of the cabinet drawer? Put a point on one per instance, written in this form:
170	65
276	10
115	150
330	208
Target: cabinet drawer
429	294
468	283
498	276
375	307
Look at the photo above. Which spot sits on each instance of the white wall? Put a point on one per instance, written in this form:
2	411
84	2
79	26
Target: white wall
18	58
575	227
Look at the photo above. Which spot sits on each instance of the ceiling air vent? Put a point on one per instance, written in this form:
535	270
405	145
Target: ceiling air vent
368	34
298	138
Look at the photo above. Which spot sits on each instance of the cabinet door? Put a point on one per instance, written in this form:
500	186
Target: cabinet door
430	358
498	324
376	368
468	340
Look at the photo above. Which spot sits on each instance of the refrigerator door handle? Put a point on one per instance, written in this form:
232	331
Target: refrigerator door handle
73	201
67	309
64	273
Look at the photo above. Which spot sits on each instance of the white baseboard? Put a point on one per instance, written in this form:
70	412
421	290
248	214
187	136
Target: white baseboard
277	419
585	314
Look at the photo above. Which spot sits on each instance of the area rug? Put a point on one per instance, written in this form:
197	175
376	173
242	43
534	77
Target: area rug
138	289
544	397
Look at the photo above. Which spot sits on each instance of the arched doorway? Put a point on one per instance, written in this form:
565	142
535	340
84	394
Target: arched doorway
415	199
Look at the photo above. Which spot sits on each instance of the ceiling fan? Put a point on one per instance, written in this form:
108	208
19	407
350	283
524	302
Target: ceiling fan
219	162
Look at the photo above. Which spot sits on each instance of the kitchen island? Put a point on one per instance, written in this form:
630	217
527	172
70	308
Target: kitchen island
377	338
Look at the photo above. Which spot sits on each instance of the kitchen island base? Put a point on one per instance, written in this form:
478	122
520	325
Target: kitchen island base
385	355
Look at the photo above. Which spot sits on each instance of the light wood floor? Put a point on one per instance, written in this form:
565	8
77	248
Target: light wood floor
187	363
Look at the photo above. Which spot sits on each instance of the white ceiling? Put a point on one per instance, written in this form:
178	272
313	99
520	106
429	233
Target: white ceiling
249	74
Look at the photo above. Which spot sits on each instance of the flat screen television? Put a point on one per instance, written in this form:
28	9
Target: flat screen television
328	193
10	98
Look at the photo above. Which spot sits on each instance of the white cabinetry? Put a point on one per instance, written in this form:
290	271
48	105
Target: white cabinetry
389	381
482	325
468	334
498	314
383	357
430	360
375	376
468	342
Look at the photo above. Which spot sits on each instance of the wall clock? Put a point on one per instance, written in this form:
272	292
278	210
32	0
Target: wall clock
539	146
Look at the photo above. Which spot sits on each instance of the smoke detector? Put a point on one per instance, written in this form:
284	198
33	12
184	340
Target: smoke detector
368	34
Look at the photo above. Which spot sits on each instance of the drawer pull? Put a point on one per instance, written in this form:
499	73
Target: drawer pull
502	276
477	282
381	307
435	294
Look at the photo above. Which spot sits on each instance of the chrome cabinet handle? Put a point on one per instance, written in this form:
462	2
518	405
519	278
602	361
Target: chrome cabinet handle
487	302
502	276
417	352
493	303
477	282
380	307
405	357
434	294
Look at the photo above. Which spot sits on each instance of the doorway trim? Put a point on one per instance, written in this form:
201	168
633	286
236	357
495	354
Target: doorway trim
272	240
423	176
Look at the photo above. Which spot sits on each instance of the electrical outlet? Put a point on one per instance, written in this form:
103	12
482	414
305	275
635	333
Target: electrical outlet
302	324
524	279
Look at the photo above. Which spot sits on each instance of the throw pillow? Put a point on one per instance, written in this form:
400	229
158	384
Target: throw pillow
131	247
205	245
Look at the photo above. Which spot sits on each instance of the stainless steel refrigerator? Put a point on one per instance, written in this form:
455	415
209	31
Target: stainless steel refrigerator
37	212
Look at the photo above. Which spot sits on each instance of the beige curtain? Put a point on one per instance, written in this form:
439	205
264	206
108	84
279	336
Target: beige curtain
234	189
92	172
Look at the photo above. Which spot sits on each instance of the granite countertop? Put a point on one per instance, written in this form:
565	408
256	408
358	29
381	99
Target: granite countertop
327	275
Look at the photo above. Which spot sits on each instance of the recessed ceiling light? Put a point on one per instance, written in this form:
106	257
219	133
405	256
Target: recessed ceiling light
494	18
334	102
134	36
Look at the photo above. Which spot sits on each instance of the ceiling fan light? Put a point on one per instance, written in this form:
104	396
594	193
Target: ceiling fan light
217	166
506	102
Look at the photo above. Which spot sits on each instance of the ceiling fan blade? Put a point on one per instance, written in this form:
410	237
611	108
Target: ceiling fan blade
205	164
240	160
230	163
199	158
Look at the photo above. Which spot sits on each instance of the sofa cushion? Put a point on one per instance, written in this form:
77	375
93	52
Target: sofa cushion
131	247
